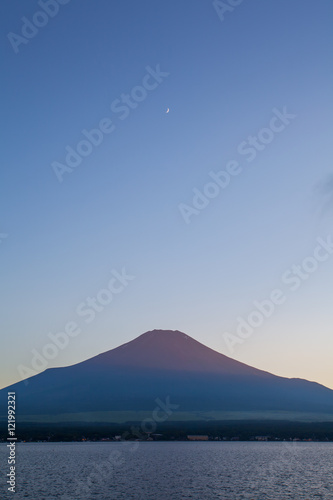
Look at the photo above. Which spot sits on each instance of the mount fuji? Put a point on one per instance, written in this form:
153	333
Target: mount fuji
165	364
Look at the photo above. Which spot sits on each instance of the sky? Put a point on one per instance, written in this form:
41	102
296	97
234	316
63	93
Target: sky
188	220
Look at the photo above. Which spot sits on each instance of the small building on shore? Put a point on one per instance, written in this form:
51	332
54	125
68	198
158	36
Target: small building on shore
197	437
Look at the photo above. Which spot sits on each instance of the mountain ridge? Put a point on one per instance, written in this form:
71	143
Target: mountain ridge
161	364
172	349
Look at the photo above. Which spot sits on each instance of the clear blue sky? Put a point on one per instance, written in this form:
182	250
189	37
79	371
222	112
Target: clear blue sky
120	207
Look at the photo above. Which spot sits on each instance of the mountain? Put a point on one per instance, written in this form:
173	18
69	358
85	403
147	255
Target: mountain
164	364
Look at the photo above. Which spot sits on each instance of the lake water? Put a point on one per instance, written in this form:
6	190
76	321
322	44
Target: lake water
171	471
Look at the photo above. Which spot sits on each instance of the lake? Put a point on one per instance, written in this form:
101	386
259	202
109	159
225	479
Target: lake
171	470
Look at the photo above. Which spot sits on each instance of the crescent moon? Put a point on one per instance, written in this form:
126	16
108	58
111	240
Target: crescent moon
167	111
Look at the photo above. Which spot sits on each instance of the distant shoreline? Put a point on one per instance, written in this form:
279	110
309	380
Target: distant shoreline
203	431
103	441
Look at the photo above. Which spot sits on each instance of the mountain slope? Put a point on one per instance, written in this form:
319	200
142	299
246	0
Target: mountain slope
160	364
171	350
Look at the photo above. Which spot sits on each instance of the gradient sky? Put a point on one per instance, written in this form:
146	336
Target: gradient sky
120	206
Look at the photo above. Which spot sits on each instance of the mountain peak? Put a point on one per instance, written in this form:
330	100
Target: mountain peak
172	350
158	334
